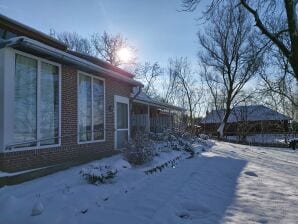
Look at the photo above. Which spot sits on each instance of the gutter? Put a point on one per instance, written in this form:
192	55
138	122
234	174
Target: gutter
40	47
159	104
17	24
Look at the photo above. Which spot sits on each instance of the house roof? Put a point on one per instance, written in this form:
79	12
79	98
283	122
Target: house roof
29	45
144	98
22	30
101	63
245	113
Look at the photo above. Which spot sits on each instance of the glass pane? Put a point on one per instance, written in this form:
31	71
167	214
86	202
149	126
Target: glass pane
122	116
122	137
85	108
25	100
49	104
98	109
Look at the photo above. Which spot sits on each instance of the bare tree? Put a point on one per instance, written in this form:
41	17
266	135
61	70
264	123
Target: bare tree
182	88
107	46
229	54
149	73
74	41
277	85
276	20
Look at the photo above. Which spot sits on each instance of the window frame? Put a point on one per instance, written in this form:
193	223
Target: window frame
92	119
39	62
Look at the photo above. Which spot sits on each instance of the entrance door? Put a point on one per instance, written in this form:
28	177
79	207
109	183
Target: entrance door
121	121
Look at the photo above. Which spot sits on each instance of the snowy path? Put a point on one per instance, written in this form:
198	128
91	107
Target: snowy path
229	184
272	196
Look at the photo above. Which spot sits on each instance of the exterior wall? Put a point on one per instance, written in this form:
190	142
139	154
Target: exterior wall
1	97
69	150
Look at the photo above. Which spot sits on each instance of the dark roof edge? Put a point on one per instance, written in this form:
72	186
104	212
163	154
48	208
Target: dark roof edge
38	46
18	25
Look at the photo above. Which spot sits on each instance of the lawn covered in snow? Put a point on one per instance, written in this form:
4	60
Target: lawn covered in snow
228	183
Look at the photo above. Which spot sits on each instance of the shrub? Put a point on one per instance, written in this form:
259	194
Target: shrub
139	150
204	137
98	174
189	148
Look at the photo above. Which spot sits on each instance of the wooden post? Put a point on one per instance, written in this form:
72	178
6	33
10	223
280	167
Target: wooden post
148	118
170	118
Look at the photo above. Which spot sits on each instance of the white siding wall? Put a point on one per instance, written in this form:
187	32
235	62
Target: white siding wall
1	97
7	60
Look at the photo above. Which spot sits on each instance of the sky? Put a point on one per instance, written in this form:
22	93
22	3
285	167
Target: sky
156	28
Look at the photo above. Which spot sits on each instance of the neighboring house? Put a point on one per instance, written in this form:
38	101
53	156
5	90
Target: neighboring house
57	105
244	120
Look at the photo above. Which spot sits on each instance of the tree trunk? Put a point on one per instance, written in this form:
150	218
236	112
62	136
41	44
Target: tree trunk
221	128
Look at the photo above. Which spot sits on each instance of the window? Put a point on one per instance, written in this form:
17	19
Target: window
25	101
36	103
90	108
49	104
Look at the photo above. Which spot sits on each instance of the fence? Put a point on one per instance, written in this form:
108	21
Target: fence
268	139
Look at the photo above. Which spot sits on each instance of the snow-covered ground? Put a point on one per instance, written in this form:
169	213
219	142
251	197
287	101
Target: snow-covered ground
266	138
229	183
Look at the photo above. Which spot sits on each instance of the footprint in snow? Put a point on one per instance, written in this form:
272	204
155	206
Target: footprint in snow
192	210
250	173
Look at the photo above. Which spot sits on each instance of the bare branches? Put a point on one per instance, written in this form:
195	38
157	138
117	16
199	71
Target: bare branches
277	21
74	41
230	54
149	73
264	30
107	46
182	87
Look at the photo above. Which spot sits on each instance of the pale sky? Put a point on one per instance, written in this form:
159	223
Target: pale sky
155	27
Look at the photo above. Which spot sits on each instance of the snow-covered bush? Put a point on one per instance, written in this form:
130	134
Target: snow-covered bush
139	150
98	174
188	147
203	136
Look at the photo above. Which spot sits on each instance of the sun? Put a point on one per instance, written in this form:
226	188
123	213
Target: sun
124	54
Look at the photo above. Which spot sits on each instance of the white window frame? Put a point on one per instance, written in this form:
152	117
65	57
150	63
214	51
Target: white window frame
104	108
9	121
125	100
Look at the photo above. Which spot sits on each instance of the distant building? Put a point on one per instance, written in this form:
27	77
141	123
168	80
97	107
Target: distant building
249	119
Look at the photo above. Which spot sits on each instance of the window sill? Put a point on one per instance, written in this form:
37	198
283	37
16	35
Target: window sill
31	148
90	142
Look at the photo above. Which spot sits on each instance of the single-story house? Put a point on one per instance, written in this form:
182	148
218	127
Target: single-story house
61	106
253	119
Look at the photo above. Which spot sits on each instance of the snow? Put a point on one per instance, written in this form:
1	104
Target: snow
227	184
245	113
265	138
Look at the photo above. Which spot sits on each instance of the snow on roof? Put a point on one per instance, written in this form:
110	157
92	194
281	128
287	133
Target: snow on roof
143	97
246	113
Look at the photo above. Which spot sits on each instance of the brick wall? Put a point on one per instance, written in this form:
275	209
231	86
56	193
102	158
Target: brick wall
69	149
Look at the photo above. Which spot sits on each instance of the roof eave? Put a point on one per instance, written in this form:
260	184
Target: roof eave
64	56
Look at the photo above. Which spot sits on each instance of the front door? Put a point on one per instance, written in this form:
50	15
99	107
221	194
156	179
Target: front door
121	121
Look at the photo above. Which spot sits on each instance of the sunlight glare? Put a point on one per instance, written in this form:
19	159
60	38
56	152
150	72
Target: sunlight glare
124	54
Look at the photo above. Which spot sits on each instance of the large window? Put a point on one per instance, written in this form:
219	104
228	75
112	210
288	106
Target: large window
90	108
36	103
